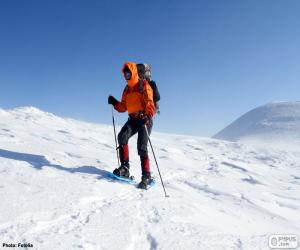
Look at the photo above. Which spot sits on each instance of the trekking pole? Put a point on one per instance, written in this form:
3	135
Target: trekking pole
113	119
156	161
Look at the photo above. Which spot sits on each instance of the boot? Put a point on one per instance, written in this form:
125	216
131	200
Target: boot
122	171
146	181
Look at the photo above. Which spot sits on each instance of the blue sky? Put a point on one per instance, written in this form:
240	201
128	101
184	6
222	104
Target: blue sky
212	60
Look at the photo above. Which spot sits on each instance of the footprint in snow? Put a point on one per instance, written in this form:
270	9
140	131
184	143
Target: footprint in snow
63	132
234	166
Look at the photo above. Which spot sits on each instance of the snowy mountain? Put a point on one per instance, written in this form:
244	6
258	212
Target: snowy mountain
274	123
56	194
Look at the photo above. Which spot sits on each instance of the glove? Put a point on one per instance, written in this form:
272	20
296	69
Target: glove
112	100
144	119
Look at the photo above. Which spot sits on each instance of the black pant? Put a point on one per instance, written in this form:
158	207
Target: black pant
131	127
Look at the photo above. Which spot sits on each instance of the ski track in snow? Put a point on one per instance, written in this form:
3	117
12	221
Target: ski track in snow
56	195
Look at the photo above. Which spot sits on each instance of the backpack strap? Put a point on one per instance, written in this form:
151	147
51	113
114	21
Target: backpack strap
126	89
142	86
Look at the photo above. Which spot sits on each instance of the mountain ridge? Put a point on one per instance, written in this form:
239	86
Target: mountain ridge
276	122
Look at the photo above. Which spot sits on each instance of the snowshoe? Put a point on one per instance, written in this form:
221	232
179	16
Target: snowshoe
129	180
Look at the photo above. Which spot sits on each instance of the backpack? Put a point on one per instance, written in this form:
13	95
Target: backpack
144	71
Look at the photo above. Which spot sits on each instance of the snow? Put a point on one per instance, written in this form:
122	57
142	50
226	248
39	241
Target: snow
276	124
55	193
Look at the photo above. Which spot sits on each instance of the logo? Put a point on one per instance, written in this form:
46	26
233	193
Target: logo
283	241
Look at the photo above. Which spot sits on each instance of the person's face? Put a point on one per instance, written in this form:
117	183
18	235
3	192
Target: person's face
127	74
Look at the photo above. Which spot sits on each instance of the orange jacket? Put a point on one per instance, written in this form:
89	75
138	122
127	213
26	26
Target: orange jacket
133	99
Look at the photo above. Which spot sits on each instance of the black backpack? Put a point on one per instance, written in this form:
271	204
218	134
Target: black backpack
144	72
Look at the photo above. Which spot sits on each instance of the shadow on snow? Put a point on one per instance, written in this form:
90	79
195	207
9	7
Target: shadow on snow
39	161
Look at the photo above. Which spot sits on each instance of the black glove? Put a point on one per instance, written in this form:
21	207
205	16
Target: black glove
112	100
144	119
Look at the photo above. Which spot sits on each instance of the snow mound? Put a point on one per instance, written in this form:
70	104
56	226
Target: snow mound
277	123
56	192
28	109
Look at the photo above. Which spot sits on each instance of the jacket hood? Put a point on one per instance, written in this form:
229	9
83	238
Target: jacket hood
134	73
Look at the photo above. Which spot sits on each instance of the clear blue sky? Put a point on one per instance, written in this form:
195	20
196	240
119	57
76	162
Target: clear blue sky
212	60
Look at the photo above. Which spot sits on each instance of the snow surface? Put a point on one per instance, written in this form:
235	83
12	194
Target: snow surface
276	124
55	192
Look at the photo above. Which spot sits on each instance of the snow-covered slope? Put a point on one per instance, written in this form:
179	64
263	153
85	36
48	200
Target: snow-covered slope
276	123
55	192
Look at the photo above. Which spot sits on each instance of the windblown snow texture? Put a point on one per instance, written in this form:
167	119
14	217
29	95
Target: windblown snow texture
55	193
